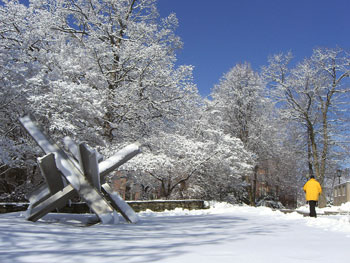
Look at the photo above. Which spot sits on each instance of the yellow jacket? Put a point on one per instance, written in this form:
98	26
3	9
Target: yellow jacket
313	189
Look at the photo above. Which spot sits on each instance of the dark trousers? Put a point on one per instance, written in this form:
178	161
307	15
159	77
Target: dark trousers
312	205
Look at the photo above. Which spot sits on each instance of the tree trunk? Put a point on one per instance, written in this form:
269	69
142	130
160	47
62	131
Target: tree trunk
309	157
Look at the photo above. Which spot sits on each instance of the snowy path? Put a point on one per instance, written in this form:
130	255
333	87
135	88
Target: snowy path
222	234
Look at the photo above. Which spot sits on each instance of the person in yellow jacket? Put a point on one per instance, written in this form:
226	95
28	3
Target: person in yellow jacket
312	190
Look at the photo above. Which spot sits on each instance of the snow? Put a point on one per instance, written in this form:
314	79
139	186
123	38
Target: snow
123	206
119	158
223	233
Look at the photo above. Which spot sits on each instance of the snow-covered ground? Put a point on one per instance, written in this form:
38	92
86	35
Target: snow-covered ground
223	233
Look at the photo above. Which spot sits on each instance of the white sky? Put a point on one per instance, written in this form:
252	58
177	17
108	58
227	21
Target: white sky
222	234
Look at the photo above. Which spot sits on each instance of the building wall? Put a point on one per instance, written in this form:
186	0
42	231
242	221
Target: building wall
341	194
267	185
124	184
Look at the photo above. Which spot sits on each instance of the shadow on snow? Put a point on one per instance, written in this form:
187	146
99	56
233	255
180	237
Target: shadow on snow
153	239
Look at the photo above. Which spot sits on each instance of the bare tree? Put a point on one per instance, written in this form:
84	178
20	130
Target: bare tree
312	95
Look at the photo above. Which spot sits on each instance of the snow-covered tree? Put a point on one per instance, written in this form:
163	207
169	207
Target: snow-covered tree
16	66
96	70
223	177
239	98
314	96
194	159
246	112
100	71
104	72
